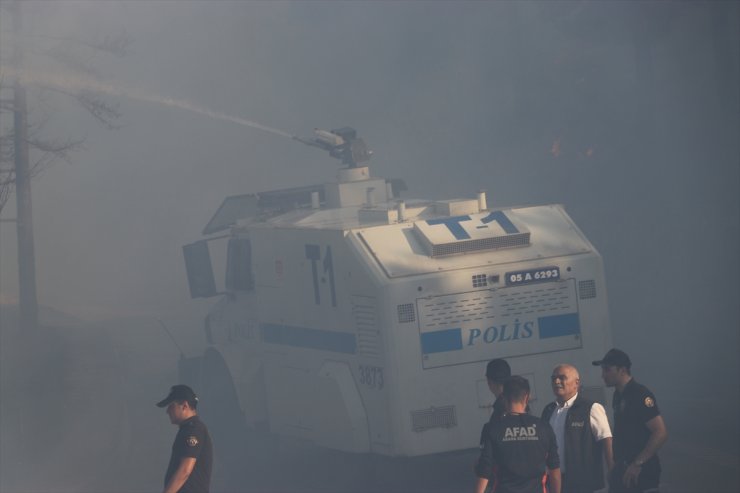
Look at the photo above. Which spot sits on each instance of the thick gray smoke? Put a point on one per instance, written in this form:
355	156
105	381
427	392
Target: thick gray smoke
625	112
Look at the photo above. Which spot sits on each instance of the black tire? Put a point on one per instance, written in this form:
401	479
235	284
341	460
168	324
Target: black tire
220	410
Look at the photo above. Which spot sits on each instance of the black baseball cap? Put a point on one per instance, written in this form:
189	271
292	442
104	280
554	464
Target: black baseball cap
498	370
180	393
614	357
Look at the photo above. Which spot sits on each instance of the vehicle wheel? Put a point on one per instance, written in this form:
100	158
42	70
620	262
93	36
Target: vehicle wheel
219	407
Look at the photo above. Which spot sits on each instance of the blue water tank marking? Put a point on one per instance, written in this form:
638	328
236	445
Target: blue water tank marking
559	325
326	340
441	341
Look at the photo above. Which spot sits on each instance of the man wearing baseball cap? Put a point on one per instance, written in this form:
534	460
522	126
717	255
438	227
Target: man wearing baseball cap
497	371
639	430
189	470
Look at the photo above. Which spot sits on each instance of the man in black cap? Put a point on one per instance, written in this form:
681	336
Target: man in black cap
497	371
639	430
189	470
519	451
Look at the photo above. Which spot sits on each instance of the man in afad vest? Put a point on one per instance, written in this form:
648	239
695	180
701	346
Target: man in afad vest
582	432
519	453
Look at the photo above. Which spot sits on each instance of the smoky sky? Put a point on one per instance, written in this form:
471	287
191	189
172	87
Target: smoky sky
625	112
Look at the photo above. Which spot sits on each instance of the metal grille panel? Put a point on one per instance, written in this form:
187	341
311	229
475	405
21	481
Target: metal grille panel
539	299
587	289
433	417
479	281
406	313
509	241
466	308
368	335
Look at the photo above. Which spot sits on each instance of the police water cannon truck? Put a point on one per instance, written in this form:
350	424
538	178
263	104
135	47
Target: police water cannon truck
364	322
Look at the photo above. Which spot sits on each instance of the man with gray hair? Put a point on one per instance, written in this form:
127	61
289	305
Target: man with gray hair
582	432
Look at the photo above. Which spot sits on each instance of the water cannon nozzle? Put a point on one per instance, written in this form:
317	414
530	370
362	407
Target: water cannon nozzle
341	143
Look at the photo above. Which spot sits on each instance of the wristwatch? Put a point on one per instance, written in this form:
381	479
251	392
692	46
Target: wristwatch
638	463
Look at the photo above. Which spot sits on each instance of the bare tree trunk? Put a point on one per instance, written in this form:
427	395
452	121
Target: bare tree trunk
24	223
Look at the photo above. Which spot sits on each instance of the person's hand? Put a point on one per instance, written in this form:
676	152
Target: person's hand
631	474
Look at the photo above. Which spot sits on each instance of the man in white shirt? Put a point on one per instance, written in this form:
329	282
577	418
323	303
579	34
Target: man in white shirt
582	432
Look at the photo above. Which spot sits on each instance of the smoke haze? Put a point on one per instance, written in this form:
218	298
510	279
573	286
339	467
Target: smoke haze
628	113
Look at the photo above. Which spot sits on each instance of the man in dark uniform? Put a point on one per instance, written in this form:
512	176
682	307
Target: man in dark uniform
519	451
497	371
189	470
639	430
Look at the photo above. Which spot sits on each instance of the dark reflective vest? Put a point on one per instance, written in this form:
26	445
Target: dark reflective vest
583	464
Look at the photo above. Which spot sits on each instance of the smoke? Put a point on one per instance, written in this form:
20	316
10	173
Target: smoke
72	82
538	102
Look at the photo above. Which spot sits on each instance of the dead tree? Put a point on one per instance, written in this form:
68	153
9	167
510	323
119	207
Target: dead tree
25	137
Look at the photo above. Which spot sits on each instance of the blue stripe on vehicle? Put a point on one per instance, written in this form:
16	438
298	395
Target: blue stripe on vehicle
325	340
559	325
441	340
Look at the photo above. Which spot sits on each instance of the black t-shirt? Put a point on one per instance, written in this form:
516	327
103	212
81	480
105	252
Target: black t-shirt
499	410
515	451
192	440
633	408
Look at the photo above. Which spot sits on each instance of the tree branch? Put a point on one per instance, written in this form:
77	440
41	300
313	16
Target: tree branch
102	111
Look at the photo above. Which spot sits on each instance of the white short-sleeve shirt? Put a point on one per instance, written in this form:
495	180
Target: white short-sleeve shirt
599	425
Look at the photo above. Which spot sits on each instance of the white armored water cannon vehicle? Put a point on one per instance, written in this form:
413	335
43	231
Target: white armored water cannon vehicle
363	322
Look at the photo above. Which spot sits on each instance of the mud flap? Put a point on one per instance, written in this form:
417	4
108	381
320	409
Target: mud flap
344	426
